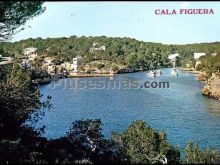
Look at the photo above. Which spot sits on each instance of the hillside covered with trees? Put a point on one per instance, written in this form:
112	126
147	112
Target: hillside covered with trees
125	51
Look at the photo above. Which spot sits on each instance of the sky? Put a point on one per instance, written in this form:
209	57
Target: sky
126	19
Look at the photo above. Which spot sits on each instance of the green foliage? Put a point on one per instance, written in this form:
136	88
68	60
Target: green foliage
100	66
14	14
4	71
58	60
87	137
18	98
124	51
200	67
114	67
195	155
210	63
142	144
81	130
131	60
1	51
38	73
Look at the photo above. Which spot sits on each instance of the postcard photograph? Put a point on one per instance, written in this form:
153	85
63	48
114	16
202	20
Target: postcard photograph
109	82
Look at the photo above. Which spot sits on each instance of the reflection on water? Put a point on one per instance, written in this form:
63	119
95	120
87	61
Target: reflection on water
181	110
213	106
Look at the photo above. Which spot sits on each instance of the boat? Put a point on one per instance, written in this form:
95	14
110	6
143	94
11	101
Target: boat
158	71
152	72
174	72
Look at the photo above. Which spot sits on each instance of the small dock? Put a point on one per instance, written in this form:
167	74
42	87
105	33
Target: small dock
89	75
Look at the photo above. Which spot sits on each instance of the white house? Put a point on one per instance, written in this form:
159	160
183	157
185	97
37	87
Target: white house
47	62
75	62
94	44
173	56
51	69
30	53
68	66
214	54
92	49
5	58
198	55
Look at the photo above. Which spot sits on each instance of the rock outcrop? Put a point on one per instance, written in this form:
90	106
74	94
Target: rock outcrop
203	76
212	87
42	81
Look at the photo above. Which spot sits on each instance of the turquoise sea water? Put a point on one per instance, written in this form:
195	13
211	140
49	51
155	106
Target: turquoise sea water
181	110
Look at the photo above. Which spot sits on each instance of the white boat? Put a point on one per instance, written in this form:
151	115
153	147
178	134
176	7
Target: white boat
174	72
151	74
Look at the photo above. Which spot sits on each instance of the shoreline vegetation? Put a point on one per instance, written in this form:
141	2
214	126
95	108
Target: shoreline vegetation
106	56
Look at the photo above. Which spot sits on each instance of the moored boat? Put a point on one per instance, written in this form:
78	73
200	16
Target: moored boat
152	72
174	72
158	71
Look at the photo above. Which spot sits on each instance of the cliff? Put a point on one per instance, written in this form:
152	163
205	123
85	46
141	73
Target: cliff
212	87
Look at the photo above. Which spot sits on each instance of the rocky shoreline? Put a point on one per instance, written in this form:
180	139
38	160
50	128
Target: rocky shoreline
42	81
212	83
212	87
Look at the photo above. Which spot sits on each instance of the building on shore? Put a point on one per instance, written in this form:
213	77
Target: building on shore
214	54
51	69
48	65
76	61
96	48
68	66
5	60
198	55
173	58
29	55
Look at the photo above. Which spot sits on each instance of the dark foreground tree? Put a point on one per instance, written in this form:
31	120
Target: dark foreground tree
195	155
14	14
19	97
87	137
142	144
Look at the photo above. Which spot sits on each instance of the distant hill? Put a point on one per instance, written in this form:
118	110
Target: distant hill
127	51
